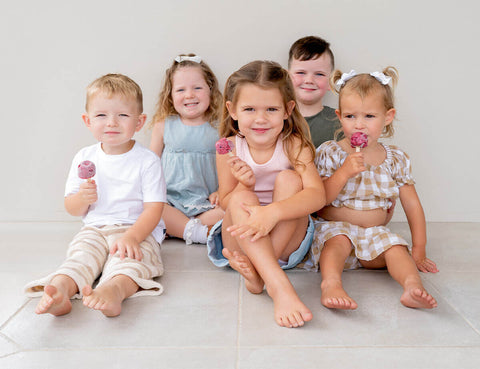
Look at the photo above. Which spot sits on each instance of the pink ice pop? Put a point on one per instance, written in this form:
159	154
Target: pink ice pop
359	140
224	146
86	169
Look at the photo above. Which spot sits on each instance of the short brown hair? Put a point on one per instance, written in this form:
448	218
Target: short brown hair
113	84
310	47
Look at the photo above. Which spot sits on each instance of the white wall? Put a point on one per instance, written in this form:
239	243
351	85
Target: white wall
51	50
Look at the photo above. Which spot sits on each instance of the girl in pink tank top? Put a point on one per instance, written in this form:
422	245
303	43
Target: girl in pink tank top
268	187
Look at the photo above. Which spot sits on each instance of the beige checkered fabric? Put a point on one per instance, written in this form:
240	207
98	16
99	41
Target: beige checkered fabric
367	243
88	256
374	187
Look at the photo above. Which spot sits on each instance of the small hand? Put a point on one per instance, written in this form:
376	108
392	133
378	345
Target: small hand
213	198
259	224
426	266
127	246
423	263
242	171
353	164
88	192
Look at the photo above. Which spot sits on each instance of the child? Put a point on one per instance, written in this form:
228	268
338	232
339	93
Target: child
310	62
359	185
268	188
121	209
184	136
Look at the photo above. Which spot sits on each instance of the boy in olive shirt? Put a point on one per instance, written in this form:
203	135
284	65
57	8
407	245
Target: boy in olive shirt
310	63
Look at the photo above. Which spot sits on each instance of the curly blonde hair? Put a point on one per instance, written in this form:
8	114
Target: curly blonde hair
364	85
267	74
165	108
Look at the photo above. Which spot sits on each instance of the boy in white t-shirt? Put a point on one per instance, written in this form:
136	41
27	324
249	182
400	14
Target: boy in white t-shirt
121	208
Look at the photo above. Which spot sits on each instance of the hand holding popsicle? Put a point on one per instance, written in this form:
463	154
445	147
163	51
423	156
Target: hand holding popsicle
359	140
86	170
224	146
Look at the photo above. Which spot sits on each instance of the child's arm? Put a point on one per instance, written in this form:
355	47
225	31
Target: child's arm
416	220
129	243
233	175
77	204
311	198
156	142
353	165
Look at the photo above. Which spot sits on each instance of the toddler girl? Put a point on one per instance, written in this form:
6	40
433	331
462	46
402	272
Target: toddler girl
184	136
267	188
360	185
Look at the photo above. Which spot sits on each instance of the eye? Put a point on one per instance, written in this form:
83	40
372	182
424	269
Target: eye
300	72
101	115
319	74
370	116
272	109
199	88
248	109
180	90
348	116
124	115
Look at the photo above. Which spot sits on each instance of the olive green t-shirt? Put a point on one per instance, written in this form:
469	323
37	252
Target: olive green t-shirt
323	126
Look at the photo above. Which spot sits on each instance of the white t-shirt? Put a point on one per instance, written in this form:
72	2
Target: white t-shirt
124	183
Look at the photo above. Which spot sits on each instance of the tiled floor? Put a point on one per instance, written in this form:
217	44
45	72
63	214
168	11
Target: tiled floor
207	319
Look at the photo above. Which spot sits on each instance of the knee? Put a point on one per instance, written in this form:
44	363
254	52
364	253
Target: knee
288	182
242	197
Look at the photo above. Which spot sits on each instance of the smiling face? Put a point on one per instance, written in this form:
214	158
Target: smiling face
260	113
310	78
113	120
190	95
367	115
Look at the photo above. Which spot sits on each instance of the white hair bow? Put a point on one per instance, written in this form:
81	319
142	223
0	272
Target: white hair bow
181	58
382	78
345	77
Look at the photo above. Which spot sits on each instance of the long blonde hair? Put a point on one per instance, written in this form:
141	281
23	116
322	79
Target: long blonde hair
267	74
365	84
165	108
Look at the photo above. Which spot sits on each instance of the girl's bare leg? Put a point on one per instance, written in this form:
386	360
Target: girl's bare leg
402	268
287	235
332	261
175	221
261	260
56	296
108	297
212	216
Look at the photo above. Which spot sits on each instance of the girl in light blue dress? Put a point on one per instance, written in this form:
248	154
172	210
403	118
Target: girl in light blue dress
184	136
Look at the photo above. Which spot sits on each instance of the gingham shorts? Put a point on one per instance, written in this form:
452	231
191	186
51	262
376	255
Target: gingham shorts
367	243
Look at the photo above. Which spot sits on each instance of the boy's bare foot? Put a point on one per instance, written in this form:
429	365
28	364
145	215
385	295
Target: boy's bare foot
54	302
417	297
289	310
335	297
107	299
253	282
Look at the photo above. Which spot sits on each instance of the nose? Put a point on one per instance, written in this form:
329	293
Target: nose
359	123
260	117
308	78
189	93
112	122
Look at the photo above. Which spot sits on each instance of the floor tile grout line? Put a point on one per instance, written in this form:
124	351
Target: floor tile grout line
239	322
27	300
462	316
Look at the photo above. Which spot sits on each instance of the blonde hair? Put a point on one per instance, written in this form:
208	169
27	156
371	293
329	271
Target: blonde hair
267	74
115	84
364	85
165	108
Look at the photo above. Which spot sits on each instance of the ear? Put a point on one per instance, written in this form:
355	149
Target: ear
339	115
389	116
231	110
86	120
141	121
290	106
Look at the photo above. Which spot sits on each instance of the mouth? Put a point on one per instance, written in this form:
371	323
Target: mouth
191	105
260	130
308	88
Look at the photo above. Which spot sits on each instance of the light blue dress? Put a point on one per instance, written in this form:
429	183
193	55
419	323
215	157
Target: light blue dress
189	167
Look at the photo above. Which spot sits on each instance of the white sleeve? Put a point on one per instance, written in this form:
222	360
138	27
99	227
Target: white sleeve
153	182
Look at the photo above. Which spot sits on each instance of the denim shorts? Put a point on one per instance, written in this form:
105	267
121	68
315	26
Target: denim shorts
215	247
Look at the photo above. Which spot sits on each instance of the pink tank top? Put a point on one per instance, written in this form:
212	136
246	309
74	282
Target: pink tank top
266	173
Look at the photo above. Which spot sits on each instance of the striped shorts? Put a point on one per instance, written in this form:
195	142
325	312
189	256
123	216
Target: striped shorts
88	256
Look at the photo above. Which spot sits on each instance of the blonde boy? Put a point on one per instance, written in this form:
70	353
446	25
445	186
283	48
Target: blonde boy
310	62
121	209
